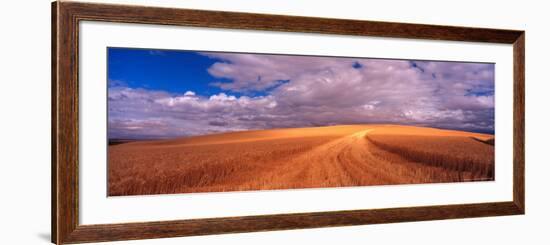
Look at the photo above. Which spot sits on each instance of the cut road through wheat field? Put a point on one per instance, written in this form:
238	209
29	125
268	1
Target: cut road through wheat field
332	156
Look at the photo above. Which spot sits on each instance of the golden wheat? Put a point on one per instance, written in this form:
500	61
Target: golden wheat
336	156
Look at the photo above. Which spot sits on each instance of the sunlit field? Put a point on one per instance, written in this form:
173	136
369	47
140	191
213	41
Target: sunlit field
318	157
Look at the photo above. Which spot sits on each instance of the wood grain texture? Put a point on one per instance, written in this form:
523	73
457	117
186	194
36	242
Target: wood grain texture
195	227
519	122
54	123
65	124
234	20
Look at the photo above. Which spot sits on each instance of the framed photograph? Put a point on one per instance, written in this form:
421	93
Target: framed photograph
176	122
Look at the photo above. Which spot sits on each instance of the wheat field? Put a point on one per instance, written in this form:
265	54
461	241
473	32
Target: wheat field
332	156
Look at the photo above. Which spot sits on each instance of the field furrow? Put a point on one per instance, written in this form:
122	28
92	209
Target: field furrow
336	156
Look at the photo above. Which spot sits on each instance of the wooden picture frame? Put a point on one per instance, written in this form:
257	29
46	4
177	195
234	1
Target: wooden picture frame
65	121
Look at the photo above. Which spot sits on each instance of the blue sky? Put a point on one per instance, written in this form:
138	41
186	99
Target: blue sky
171	93
167	70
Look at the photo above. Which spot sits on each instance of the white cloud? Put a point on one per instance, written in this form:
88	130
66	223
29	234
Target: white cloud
318	91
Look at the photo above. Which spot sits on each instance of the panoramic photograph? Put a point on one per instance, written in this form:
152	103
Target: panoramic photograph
182	121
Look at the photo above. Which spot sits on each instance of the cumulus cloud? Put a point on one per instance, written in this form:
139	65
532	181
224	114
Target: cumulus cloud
155	114
300	91
189	93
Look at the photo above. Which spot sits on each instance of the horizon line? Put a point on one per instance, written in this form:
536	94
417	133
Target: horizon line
491	132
